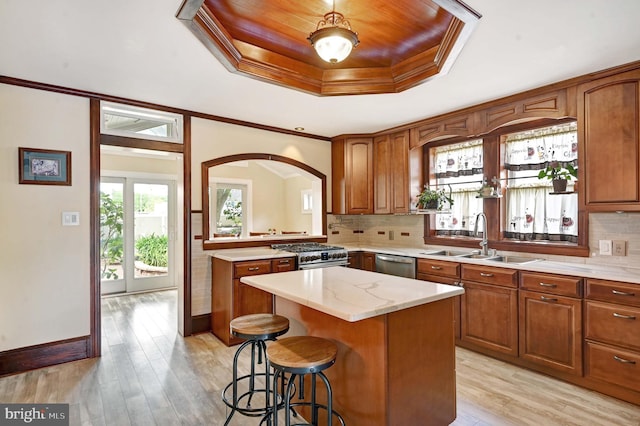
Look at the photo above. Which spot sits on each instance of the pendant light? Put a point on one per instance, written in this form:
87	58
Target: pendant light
333	38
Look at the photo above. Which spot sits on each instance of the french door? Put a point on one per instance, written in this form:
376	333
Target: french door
137	232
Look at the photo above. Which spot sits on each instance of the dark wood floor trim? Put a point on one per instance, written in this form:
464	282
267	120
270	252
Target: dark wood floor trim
201	323
46	354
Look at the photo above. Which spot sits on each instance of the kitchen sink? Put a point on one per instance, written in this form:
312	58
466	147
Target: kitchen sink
448	253
480	256
513	259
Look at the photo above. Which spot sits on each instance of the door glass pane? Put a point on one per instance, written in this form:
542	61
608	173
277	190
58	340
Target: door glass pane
111	231
151	234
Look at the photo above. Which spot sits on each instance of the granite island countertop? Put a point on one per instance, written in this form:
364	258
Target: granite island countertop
351	294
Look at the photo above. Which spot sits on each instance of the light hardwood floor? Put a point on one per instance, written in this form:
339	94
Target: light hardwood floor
149	375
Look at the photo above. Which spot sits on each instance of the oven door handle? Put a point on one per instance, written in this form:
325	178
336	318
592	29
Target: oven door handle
322	265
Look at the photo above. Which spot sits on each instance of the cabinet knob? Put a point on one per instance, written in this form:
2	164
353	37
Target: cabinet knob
255	268
436	268
548	285
484	274
548	299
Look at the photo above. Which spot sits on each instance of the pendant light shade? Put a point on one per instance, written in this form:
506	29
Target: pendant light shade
333	38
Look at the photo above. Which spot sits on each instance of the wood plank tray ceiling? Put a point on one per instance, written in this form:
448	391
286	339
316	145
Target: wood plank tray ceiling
402	42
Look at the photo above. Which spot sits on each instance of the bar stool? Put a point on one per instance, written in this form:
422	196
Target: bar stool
256	329
298	356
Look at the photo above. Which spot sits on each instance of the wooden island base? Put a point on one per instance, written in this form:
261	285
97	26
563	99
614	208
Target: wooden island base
393	369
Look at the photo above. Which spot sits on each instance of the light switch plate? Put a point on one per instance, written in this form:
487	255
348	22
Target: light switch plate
619	248
70	218
605	247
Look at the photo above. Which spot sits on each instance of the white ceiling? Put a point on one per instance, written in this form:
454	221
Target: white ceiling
137	49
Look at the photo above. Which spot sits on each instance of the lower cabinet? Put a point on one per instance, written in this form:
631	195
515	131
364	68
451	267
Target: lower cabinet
231	298
354	259
368	261
362	260
551	321
443	272
612	337
489	309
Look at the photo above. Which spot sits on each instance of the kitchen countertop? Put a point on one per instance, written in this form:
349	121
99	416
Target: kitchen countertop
614	273
249	253
351	294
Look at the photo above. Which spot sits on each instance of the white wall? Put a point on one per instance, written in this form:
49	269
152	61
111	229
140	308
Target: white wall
212	139
44	267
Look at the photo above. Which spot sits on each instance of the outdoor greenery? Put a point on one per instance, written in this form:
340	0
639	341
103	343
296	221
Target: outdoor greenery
230	209
152	250
111	246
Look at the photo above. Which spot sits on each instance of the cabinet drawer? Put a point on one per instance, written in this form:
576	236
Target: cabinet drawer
613	365
438	267
490	275
552	284
612	291
615	324
283	265
244	269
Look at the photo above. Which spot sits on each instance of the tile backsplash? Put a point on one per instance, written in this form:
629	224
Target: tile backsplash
407	230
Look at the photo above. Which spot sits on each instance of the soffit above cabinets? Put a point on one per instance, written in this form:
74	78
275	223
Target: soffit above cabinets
402	43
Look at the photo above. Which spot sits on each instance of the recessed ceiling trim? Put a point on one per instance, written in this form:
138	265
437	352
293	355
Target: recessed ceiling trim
266	64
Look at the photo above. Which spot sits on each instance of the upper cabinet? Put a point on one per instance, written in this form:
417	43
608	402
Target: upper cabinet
609	134
393	179
380	175
352	175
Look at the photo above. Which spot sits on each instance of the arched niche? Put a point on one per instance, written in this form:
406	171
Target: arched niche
217	170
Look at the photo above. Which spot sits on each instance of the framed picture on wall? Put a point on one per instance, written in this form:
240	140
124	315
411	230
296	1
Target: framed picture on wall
44	166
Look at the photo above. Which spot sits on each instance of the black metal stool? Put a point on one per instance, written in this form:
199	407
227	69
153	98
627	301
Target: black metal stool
299	356
257	329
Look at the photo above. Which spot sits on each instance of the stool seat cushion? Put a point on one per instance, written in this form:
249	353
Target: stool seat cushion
302	352
259	325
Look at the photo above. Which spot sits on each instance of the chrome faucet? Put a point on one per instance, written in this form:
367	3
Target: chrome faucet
484	244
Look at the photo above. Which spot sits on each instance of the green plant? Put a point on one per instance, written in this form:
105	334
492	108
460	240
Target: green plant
152	250
434	198
555	171
111	248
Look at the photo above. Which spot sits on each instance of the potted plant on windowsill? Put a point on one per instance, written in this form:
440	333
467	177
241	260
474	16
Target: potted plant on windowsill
559	175
434	199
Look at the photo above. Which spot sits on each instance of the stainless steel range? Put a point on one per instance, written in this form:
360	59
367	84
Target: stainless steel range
315	255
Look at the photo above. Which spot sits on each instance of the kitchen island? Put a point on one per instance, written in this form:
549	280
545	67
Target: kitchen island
395	337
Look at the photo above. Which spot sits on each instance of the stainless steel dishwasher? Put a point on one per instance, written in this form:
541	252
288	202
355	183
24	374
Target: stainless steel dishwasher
402	266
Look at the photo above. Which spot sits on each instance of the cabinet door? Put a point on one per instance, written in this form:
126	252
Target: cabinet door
609	131
250	300
382	174
369	261
355	259
359	176
551	331
490	317
391	173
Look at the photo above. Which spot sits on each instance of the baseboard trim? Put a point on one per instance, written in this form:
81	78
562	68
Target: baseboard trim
201	323
38	356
